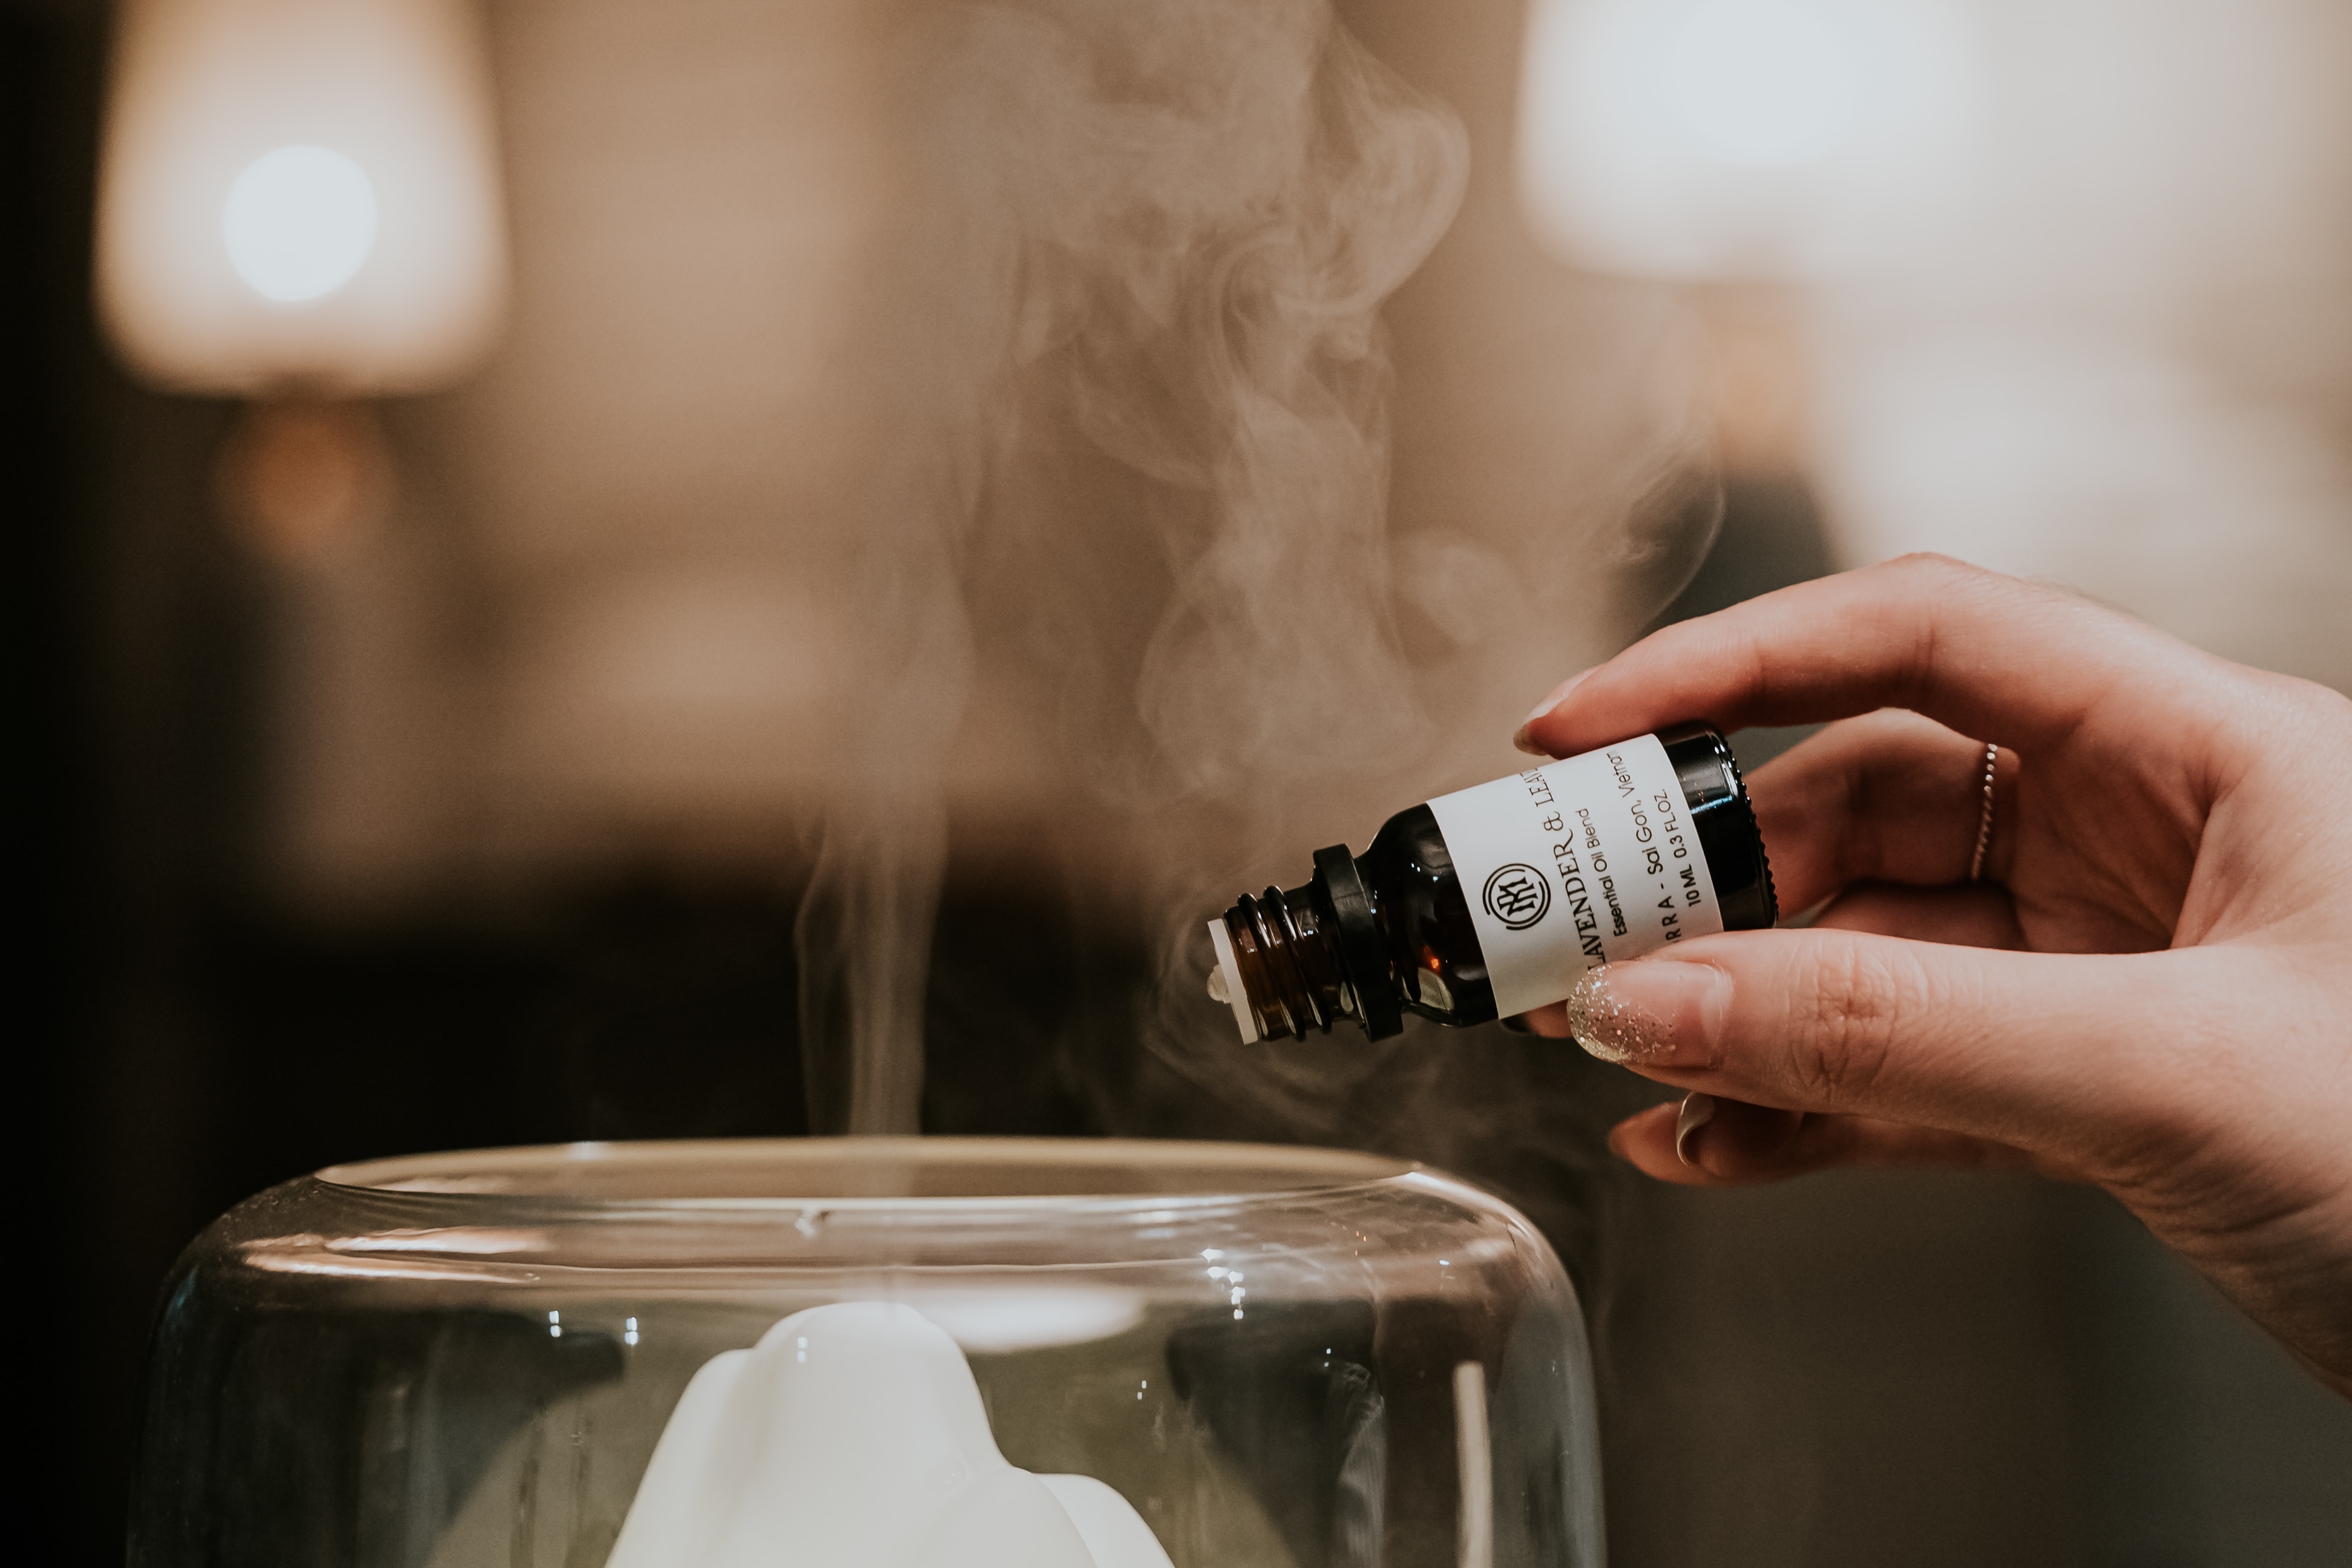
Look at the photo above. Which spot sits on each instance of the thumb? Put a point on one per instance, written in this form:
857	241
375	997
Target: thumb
2046	1052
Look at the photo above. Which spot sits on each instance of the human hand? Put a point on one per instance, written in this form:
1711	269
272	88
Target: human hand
2151	988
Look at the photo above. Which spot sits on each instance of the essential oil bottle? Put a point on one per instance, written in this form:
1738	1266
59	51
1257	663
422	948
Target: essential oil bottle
1492	900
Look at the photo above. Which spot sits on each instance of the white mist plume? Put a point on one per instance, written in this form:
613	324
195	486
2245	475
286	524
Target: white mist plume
1171	226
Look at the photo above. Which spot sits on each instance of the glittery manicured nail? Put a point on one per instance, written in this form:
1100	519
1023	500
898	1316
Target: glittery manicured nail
1698	1111
1651	1013
1604	1026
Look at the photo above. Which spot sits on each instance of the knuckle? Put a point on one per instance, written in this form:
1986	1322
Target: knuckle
1849	1010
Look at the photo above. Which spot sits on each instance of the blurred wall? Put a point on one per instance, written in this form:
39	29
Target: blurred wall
2126	364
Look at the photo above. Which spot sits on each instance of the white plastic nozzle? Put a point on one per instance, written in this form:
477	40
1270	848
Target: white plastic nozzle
1225	981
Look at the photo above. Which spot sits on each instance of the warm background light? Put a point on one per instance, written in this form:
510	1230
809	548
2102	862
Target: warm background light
300	196
2055	288
1763	81
1703	139
298	223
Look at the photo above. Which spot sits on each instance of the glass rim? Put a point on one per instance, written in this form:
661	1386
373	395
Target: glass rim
797	1174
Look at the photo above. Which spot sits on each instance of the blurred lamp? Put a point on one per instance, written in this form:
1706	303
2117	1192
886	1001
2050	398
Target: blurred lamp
298	203
1755	140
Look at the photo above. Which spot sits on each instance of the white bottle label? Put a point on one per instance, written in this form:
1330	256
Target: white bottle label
1575	864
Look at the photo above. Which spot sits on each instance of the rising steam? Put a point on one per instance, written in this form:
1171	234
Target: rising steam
1168	228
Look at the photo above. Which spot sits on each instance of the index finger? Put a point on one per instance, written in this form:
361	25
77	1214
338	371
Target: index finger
1979	652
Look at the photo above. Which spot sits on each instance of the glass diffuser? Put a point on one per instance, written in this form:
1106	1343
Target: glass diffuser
913	1351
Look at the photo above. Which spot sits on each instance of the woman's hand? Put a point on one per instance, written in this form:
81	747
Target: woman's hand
2150	989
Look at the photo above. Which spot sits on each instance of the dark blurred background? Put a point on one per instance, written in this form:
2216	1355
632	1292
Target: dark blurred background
486	820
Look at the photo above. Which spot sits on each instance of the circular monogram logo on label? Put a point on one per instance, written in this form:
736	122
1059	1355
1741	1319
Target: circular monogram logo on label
1517	896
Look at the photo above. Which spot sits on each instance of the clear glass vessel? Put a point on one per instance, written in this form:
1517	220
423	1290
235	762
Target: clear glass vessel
1256	1355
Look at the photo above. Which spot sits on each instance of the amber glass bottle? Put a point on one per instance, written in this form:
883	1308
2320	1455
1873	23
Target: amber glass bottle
1484	903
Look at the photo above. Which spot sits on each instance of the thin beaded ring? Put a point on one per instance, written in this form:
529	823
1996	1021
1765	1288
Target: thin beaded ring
1984	820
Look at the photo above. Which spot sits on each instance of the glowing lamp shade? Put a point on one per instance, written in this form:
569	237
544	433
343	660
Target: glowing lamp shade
298	223
300	196
1737	139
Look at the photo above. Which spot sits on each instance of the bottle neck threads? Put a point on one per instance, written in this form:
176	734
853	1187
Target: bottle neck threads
1311	954
1287	962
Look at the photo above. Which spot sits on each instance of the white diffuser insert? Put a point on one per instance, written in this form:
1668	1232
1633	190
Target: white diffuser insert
853	1436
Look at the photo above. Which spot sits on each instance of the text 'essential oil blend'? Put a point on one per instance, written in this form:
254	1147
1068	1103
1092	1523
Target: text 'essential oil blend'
1492	900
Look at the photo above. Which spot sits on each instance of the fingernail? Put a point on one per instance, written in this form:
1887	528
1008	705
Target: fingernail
1698	1111
1520	737
1652	1012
